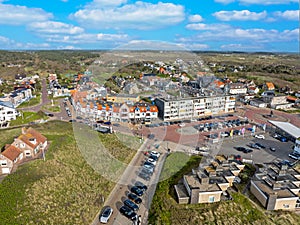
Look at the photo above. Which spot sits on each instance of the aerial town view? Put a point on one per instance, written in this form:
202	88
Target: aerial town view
148	112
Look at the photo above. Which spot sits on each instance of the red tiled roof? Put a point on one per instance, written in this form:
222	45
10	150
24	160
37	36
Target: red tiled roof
153	108
31	133
270	85
12	152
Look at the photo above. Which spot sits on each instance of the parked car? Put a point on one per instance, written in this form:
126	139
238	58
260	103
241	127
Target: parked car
255	146
294	155
134	198
260	145
141	186
151	136
105	214
259	136
273	149
240	148
126	211
224	134
150	160
131	205
248	150
145	176
137	191
155	153
181	124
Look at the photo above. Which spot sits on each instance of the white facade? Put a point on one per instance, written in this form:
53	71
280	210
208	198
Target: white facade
188	108
7	112
297	146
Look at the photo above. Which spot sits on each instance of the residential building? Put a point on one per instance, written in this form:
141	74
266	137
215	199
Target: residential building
122	98
194	107
237	88
209	184
277	187
259	103
7	113
269	86
9	157
30	142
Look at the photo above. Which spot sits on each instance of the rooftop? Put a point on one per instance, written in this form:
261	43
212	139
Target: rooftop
287	127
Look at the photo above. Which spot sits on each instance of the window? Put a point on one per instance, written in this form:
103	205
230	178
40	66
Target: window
286	206
211	198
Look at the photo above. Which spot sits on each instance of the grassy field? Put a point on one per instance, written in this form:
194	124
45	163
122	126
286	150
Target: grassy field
27	118
64	189
166	211
54	108
31	102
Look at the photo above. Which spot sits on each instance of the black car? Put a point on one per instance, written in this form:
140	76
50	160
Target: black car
126	211
240	148
153	157
149	164
137	191
248	150
135	198
131	205
147	171
151	136
141	186
260	145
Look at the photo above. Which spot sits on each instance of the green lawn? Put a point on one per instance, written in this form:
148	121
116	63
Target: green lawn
64	189
27	118
31	102
166	211
54	108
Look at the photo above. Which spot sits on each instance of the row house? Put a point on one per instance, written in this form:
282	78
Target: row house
277	187
125	112
237	88
8	112
194	107
209	184
27	145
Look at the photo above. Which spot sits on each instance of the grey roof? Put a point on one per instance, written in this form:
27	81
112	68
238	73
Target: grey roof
7	104
287	127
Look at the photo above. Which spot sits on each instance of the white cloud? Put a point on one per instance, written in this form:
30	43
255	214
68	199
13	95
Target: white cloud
87	38
288	14
211	33
18	15
195	18
55	27
258	2
239	15
203	26
6	43
140	15
240	47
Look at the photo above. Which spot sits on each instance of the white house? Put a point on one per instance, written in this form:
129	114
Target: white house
7	112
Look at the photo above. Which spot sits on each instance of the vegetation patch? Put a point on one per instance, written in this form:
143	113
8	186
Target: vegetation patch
64	189
28	117
32	102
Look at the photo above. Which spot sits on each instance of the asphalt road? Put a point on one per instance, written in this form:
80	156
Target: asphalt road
127	180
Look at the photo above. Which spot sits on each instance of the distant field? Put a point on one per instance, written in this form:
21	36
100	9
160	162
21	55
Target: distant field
64	189
166	211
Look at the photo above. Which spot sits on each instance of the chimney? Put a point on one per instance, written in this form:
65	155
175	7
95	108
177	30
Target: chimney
23	130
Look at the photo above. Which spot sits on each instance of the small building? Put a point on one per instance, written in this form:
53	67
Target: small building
209	184
237	88
7	112
259	103
269	86
9	157
277	187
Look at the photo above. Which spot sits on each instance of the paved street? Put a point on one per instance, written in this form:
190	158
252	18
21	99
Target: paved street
127	180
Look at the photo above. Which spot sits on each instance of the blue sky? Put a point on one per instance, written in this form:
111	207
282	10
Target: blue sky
209	25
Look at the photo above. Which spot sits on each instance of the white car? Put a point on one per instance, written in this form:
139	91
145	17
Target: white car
155	153
259	136
105	215
181	124
151	161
